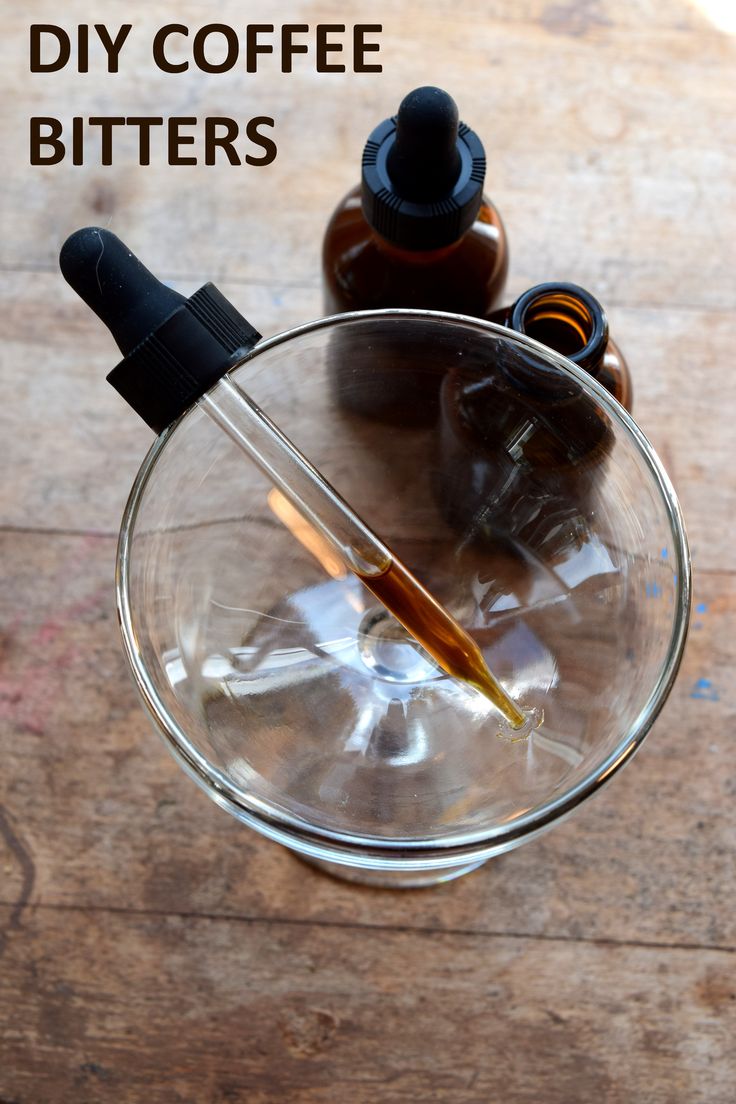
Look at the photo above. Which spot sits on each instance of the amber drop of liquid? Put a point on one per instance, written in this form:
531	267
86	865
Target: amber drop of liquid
439	634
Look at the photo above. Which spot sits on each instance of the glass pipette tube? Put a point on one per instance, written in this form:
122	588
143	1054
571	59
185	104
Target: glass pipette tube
364	553
173	348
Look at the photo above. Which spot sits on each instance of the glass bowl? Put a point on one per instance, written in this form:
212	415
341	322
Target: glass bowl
521	495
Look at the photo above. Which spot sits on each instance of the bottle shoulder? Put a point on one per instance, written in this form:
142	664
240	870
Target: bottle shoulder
362	270
616	377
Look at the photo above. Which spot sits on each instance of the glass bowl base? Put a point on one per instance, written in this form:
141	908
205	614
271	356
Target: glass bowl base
394	879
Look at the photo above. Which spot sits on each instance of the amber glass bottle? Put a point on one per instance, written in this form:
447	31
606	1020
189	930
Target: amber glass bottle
418	232
522	448
571	321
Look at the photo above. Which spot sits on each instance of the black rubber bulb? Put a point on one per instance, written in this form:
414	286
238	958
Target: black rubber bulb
174	349
424	161
116	285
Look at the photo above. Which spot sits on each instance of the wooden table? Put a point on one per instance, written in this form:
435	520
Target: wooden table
151	948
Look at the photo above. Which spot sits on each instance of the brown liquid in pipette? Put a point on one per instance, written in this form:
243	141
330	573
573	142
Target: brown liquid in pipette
439	634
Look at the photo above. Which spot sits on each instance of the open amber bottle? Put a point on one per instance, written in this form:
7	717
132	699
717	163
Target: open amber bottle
571	321
499	422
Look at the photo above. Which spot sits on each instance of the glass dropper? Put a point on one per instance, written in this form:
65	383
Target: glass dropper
364	553
177	352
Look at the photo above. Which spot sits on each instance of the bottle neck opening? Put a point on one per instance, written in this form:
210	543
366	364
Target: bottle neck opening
567	319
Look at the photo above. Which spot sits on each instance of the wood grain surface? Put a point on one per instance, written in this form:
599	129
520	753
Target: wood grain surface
153	949
170	1008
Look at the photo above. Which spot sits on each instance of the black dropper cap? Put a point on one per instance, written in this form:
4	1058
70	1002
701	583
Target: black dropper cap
423	173
175	349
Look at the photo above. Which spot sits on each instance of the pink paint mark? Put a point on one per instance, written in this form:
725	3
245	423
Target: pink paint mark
47	633
46	655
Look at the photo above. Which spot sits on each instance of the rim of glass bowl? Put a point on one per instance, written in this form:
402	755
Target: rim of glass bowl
370	851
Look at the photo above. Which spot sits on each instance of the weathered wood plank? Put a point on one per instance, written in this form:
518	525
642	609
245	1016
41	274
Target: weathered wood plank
71	443
597	179
130	970
121	1007
108	820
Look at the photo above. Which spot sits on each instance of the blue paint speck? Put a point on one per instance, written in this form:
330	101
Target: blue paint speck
653	590
664	553
701	607
704	690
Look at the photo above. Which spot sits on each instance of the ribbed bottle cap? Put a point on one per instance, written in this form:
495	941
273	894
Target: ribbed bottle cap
423	173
